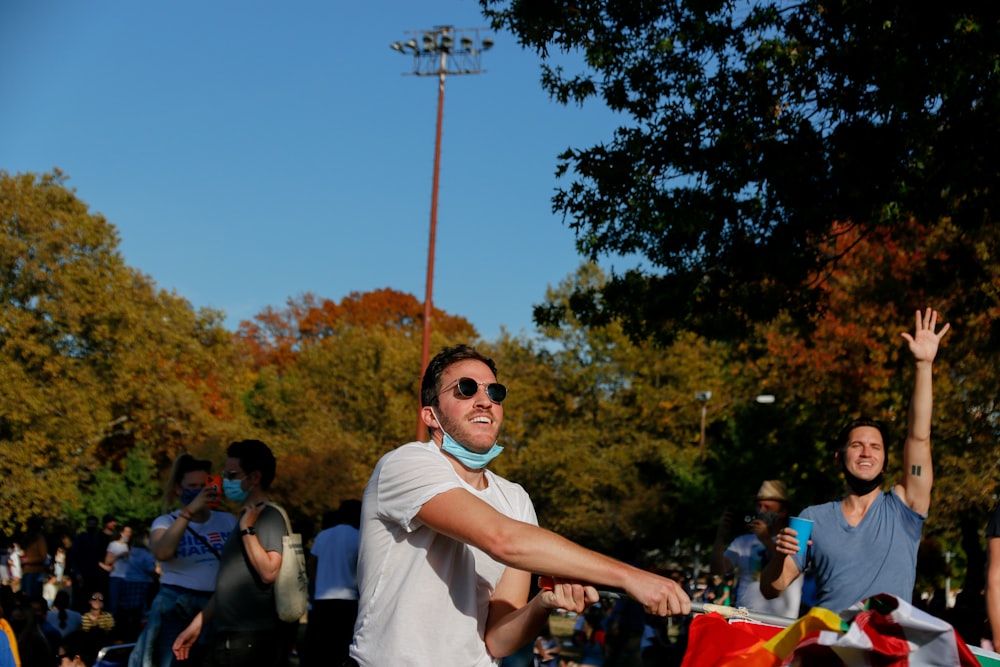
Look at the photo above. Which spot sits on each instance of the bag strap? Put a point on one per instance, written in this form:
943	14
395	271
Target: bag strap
284	515
205	542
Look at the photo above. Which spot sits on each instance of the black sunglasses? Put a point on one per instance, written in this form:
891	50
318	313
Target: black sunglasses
468	388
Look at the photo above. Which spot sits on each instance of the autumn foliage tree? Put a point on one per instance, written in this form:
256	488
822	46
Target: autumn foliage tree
337	386
93	358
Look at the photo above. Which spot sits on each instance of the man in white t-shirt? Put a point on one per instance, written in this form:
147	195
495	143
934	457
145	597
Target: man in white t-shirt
333	569
748	554
448	548
116	564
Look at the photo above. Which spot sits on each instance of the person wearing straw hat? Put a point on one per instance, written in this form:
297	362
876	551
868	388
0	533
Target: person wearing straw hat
866	543
749	553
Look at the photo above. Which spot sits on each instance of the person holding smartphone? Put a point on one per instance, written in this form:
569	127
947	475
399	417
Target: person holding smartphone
187	543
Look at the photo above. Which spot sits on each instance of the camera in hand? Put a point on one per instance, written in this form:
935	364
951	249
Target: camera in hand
767	517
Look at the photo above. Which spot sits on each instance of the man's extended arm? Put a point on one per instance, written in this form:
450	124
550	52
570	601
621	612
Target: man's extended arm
463	517
918	474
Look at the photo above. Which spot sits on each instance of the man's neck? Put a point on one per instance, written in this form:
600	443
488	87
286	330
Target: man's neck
257	495
855	507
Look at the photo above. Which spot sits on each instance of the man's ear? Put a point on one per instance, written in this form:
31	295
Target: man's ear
427	416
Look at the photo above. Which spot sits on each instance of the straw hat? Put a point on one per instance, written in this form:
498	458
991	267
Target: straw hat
772	489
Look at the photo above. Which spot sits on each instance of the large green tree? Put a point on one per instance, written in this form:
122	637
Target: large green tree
93	357
748	128
604	433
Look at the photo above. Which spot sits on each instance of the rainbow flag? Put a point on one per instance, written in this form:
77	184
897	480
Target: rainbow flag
882	631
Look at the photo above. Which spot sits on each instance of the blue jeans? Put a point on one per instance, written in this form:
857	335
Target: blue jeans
172	610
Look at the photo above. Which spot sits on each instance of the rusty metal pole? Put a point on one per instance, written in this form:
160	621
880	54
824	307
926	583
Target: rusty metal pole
425	352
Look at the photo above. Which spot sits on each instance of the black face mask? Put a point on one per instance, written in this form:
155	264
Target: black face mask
860	486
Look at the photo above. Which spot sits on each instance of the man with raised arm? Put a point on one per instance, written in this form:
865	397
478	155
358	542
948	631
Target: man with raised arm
866	543
448	547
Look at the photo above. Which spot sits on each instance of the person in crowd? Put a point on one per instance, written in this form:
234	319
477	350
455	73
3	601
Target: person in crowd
6	629
97	622
32	645
116	564
50	588
62	618
85	562
748	553
624	627
993	576
333	567
187	543
248	632
40	610
76	650
60	557
8	652
35	558
866	543
14	571
547	648
593	641
447	542
134	597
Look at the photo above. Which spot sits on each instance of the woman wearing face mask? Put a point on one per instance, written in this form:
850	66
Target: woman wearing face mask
187	543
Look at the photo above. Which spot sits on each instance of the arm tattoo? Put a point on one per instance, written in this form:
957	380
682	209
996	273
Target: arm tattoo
915	471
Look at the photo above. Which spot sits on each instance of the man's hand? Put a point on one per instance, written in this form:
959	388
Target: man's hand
658	595
924	341
251	512
566	594
186	639
787	541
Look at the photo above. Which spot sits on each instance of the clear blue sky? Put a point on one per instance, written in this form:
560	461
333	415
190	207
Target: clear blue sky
251	151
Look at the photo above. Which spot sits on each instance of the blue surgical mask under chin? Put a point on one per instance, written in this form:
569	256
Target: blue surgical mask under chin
467	457
233	488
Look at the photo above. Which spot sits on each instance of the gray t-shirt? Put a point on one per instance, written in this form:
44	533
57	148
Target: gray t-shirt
853	563
243	603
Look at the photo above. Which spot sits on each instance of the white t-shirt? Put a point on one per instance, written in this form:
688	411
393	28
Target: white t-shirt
194	566
424	597
120	565
747	555
336	552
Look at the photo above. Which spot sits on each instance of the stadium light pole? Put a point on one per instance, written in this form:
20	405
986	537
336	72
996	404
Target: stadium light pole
439	52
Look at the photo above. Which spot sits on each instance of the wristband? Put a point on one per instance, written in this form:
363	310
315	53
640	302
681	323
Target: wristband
186	515
249	530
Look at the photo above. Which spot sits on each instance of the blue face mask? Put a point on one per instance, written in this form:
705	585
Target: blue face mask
188	496
467	457
233	488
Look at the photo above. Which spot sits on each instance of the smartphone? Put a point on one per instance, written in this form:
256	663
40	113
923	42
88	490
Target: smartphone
216	481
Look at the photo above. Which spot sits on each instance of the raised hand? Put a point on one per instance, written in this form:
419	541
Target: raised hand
925	340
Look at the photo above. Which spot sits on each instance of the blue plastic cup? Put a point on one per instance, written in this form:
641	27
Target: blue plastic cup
804	528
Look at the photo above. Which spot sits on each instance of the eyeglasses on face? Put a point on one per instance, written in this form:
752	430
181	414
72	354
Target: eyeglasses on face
468	388
99	598
232	474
